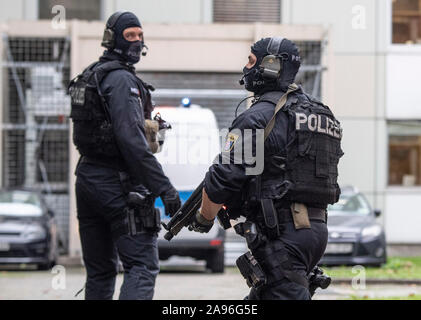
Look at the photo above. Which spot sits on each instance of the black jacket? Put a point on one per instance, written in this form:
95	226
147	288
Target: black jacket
122	94
224	182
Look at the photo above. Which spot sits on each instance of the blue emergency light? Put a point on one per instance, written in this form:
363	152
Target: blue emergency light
186	102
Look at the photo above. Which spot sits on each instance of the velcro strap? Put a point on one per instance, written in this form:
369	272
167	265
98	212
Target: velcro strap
313	214
271	218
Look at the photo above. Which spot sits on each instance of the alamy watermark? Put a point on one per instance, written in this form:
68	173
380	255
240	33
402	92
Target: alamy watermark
187	146
59	20
59	280
358	281
359	15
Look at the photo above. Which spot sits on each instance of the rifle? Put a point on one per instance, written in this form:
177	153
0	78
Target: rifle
184	216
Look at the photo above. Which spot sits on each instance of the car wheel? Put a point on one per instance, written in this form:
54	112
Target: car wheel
46	266
216	260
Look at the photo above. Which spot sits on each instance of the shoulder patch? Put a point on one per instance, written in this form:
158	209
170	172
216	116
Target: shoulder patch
135	91
231	139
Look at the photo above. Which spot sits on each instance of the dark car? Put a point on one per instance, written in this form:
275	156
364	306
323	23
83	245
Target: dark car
28	229
208	246
355	237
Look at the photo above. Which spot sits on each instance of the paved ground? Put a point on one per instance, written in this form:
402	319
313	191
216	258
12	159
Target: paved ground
173	283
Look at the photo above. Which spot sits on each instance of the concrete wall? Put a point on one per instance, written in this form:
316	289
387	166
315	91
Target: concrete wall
163	11
403	82
374	81
18	10
355	28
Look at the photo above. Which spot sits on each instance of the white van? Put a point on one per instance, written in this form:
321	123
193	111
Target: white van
189	149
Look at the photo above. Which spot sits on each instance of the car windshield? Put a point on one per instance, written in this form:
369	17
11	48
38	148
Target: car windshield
20	197
354	204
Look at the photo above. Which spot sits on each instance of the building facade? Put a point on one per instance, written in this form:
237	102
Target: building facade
366	52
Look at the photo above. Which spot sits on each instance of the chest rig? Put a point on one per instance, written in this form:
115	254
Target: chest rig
92	128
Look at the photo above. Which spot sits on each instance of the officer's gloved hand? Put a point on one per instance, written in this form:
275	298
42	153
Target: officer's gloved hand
171	200
200	223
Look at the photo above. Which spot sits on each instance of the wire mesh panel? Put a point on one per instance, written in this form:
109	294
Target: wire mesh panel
224	90
35	120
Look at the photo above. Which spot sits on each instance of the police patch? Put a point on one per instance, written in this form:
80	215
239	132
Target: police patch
135	91
231	139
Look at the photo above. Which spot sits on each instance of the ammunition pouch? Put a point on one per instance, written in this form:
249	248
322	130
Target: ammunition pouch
251	270
151	132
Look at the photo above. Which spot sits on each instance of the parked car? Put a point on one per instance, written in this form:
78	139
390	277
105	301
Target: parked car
355	237
189	150
28	229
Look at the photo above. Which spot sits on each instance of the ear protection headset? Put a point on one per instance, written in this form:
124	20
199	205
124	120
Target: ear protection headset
272	64
108	40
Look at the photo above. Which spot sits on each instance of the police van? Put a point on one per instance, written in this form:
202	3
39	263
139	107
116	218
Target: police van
189	149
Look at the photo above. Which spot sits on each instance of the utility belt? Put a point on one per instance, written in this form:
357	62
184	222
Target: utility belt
271	218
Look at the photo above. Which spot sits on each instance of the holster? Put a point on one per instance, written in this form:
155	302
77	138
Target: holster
142	215
151	220
274	259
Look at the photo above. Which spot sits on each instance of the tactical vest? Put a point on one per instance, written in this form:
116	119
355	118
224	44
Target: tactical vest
92	128
309	164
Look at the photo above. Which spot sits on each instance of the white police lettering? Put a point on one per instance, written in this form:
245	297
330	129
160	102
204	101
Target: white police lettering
318	123
312	122
77	95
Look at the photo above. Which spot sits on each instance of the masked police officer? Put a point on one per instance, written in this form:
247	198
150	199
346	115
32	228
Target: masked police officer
285	203
118	177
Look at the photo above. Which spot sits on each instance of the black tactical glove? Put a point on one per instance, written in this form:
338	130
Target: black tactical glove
171	200
200	223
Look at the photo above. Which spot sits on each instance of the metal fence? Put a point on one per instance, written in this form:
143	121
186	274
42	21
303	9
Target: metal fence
35	123
35	126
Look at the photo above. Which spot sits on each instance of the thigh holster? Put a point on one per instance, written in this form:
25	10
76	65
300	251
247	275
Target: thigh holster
274	260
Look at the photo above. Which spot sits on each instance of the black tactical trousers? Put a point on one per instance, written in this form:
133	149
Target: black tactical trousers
100	205
304	249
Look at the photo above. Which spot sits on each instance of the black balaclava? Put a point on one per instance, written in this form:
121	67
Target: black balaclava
253	78
130	51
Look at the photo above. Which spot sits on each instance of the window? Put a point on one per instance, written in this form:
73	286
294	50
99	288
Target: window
406	21
243	11
405	153
354	204
75	9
